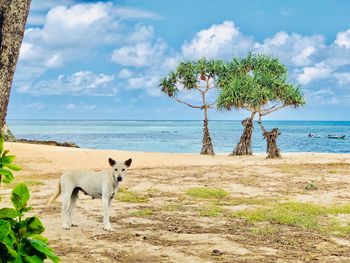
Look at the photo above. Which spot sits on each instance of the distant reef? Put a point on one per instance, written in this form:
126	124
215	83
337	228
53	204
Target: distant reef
53	143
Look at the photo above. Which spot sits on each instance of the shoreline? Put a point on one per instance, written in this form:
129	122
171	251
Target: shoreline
56	158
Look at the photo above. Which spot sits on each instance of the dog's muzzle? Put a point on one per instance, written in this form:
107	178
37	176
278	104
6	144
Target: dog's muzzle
119	178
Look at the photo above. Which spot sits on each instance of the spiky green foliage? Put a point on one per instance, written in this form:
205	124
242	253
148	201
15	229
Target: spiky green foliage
258	83
188	75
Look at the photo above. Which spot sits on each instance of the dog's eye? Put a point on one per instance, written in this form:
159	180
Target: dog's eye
116	170
123	170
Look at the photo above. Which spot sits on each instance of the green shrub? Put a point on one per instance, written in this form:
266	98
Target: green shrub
20	239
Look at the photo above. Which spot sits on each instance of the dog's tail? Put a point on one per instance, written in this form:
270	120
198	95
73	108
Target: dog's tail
58	192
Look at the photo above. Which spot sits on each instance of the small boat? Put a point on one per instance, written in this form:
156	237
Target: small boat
313	135
332	136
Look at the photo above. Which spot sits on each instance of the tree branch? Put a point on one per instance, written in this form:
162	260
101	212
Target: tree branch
190	105
260	123
272	109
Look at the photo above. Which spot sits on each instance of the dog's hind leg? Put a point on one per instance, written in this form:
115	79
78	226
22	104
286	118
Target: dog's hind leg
73	200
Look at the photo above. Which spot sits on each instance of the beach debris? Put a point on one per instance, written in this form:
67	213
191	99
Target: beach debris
310	186
216	252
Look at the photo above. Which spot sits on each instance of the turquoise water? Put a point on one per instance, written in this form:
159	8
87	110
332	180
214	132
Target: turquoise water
182	136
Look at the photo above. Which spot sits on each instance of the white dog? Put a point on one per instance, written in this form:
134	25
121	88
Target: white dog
103	184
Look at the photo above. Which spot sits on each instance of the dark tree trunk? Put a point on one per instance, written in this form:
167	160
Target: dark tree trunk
207	146
271	139
244	147
13	17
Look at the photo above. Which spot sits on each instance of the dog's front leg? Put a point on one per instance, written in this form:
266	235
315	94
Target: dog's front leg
106	206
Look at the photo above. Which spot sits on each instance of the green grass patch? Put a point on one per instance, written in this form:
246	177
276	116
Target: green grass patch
207	193
291	213
305	215
143	212
338	209
333	171
338	229
210	211
126	196
263	201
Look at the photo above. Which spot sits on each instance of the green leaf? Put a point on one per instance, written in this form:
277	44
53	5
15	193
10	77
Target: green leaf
43	248
5	228
8	213
32	259
7	159
7	176
7	254
20	196
40	238
34	226
13	167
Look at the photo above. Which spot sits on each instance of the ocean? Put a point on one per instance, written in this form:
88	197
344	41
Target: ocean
182	136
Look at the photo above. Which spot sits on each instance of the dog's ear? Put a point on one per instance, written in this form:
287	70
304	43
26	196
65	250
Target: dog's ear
111	162
128	162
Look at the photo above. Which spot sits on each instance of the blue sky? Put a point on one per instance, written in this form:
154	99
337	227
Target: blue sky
103	60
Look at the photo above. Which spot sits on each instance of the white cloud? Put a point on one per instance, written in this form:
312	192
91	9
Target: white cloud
342	78
79	83
139	55
343	39
129	13
141	34
293	49
124	73
54	61
73	33
322	96
149	83
219	41
40	6
317	72
81	106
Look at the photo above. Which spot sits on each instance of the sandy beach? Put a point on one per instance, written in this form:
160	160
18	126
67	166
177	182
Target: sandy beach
158	217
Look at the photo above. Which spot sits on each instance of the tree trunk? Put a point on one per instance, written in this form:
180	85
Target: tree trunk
207	146
244	147
8	135
271	139
13	17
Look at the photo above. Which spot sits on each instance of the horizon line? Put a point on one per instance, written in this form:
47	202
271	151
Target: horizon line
312	120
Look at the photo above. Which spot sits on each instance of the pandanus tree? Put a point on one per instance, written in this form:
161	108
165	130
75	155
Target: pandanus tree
259	84
200	76
13	17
